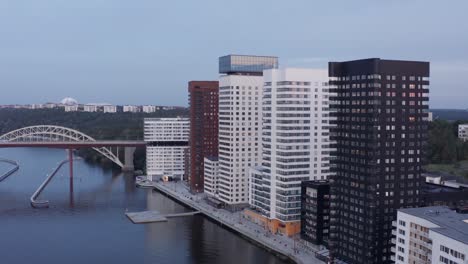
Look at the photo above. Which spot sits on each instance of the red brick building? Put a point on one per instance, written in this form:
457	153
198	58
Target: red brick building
203	142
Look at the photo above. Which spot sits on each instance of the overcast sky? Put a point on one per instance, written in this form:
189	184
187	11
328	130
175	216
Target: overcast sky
145	51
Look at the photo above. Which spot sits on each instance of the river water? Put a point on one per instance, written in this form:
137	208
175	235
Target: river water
88	225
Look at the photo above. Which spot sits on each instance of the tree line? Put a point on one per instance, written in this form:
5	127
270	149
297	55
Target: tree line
104	126
444	147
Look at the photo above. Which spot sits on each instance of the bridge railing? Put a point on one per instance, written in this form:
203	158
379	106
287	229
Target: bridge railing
11	171
45	203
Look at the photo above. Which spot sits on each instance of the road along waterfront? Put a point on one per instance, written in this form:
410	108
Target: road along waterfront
284	246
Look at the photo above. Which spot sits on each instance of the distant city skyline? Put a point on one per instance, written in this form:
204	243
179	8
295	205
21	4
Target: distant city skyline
146	52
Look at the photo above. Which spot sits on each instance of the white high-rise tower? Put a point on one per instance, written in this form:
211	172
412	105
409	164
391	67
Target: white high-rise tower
296	145
240	93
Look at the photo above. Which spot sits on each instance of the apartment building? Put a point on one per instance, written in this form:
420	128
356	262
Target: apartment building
131	108
109	108
295	145
149	108
211	171
463	132
203	107
430	235
315	212
167	143
381	133
240	95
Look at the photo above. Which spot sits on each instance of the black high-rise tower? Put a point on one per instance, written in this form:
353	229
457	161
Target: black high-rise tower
381	129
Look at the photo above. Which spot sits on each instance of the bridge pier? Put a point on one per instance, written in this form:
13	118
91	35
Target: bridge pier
70	160
128	159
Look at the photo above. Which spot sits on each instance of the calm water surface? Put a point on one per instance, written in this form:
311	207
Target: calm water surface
89	225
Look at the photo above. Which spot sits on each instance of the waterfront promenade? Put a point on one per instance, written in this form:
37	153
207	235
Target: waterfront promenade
290	247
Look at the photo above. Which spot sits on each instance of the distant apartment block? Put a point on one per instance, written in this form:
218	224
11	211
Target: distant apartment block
295	142
149	108
50	105
167	143
430	235
131	108
463	132
90	108
71	108
203	107
240	121
36	106
430	116
109	109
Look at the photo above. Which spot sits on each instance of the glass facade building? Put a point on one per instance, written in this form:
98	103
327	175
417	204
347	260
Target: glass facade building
246	64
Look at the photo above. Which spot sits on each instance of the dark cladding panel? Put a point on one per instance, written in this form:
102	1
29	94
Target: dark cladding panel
203	101
380	133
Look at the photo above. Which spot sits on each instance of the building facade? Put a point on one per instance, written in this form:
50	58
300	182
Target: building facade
90	108
430	235
109	108
203	107
463	132
315	212
240	95
71	108
381	132
295	144
167	142
131	108
211	170
149	108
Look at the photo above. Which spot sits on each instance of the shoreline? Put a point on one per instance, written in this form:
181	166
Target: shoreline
239	228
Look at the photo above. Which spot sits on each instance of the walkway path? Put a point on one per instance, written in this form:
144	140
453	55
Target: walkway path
286	246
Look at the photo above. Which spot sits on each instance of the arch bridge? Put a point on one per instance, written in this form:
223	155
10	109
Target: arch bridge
62	137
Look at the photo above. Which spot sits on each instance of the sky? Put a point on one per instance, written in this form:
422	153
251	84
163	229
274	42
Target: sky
145	51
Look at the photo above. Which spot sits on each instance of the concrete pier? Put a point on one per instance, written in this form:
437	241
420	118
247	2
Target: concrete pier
155	216
128	159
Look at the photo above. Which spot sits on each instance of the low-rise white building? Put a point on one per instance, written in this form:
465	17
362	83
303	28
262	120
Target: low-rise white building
50	105
167	142
90	108
463	132
131	108
37	106
71	108
109	108
430	116
211	166
430	235
149	108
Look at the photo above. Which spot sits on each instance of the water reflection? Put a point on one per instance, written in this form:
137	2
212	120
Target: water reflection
86	223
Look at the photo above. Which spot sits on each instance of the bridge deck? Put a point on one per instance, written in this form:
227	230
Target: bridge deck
74	144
